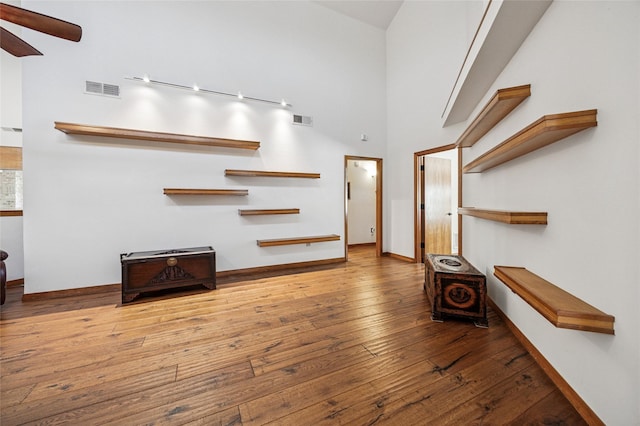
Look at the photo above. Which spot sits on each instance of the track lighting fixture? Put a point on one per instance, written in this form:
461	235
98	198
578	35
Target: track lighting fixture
196	88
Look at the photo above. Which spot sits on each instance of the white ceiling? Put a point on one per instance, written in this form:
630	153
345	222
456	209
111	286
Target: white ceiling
378	13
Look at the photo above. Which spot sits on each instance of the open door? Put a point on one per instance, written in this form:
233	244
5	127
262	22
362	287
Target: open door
437	205
374	173
436	198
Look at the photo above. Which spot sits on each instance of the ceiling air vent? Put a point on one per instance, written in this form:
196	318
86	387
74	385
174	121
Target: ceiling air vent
302	120
96	88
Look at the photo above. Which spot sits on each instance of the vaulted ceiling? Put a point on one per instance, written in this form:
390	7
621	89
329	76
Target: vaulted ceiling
378	13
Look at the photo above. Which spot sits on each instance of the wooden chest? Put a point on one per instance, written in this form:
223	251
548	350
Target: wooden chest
455	288
162	269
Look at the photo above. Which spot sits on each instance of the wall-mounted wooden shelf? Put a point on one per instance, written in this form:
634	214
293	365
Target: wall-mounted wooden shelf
510	217
561	308
501	104
192	191
260	212
113	132
298	240
546	130
10	213
254	173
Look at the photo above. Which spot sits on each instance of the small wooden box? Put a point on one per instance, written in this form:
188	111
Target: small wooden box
455	288
163	269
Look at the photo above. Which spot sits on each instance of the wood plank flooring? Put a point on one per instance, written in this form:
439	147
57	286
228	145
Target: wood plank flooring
349	344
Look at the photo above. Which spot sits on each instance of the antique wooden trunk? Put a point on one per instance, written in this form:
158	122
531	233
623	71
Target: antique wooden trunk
163	269
455	288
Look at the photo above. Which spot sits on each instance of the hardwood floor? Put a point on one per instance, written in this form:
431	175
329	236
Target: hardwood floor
348	344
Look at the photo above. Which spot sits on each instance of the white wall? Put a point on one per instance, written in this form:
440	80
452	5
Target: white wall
10	89
87	199
361	207
11	242
589	185
11	116
426	44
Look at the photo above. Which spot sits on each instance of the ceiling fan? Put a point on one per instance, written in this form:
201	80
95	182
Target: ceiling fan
35	21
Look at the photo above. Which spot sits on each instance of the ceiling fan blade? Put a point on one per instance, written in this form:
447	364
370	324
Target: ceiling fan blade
43	23
15	45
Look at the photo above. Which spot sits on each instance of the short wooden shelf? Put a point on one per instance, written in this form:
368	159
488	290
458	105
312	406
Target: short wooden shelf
298	240
546	130
561	308
510	217
260	173
261	212
501	104
114	132
196	191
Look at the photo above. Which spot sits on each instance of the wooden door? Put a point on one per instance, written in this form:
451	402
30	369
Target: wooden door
437	205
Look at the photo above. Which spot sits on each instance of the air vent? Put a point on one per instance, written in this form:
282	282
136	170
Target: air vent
93	87
302	120
12	129
111	89
96	88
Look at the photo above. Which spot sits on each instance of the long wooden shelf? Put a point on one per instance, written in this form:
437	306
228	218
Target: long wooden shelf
298	240
561	308
114	132
510	217
196	191
544	131
260	212
253	173
499	106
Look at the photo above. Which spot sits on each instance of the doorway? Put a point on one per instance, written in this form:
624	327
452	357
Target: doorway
437	194
362	202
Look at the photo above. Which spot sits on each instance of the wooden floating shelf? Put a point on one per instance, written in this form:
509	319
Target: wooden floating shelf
298	240
561	308
113	132
510	217
187	191
546	130
260	212
253	173
501	104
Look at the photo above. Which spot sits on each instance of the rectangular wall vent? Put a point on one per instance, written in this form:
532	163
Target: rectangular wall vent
302	120
96	88
111	89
